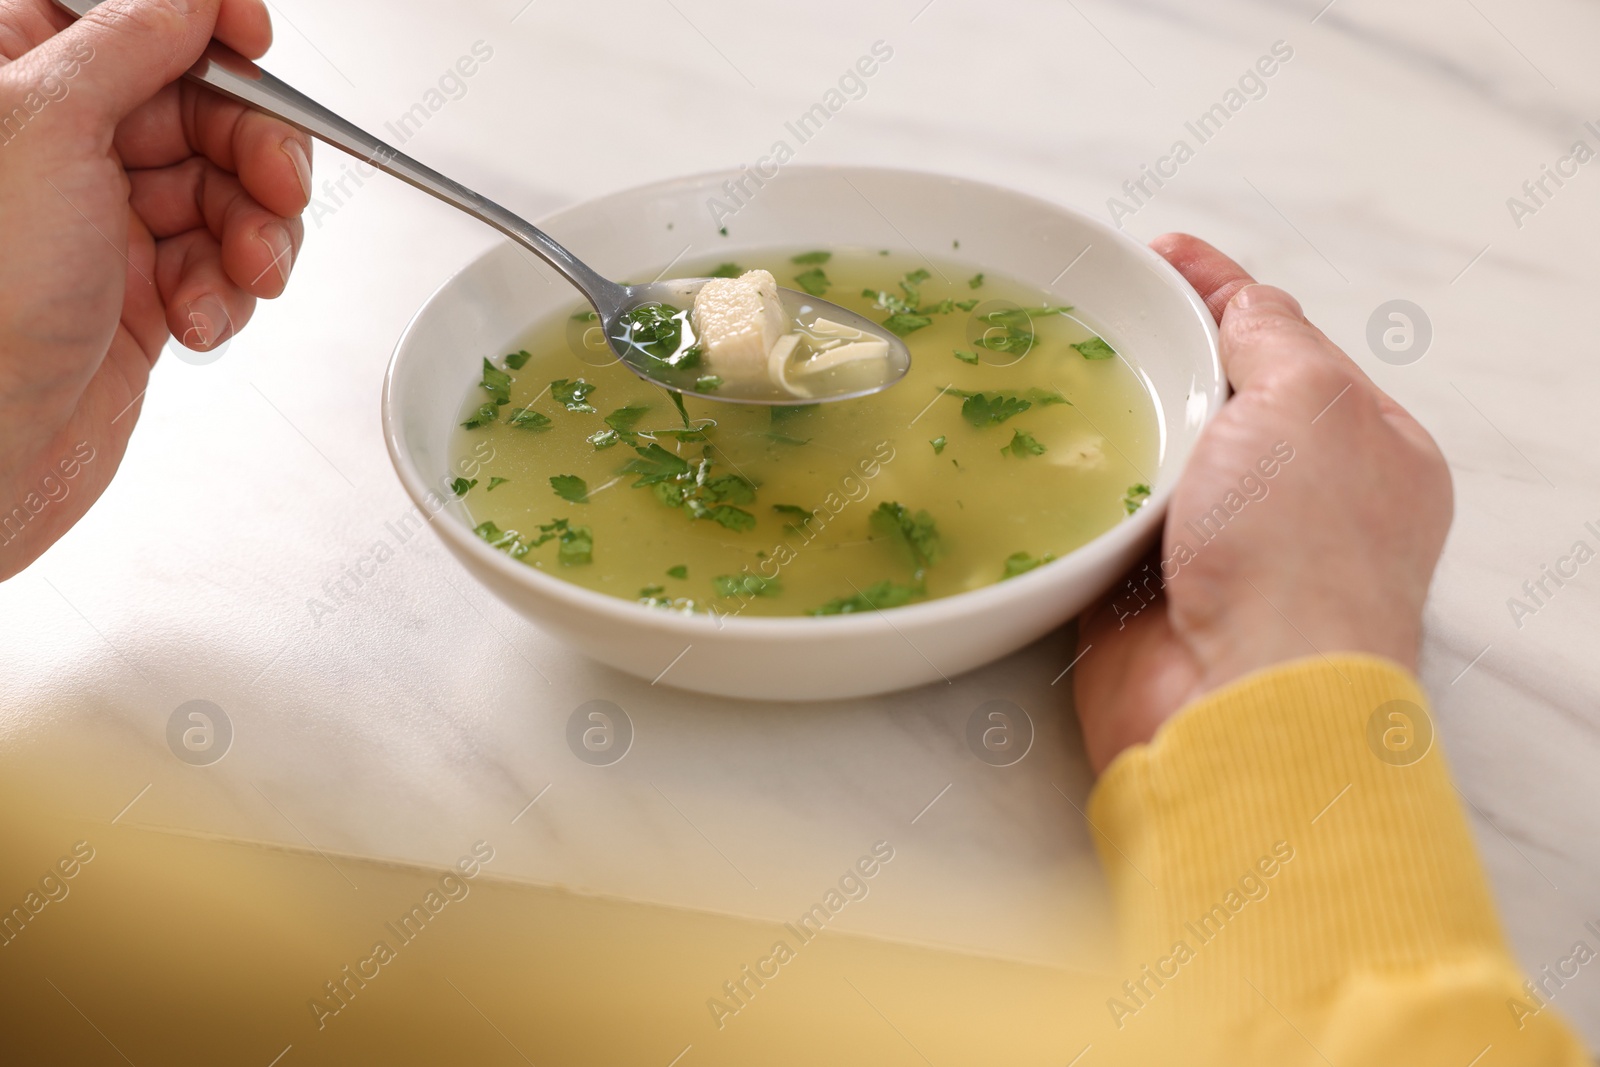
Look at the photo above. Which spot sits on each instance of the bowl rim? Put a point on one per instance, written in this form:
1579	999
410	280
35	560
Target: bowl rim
1103	547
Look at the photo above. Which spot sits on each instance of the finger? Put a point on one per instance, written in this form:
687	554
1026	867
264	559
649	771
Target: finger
1213	275
258	246
245	26
203	305
272	159
26	24
1264	327
118	56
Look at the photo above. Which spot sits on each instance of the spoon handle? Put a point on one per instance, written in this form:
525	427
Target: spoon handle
227	72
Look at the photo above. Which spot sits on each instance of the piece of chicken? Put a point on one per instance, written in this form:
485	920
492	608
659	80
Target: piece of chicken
738	321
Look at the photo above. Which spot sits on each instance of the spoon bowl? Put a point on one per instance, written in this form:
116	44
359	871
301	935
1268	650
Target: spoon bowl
809	383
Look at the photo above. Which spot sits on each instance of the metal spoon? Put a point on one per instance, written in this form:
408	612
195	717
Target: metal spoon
225	71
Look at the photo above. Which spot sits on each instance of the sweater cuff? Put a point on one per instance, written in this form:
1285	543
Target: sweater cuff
1292	827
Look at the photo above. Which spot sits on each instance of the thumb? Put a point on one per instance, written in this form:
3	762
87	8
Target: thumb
99	69
1263	326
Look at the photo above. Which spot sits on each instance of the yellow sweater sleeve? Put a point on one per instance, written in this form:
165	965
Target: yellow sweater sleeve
1294	882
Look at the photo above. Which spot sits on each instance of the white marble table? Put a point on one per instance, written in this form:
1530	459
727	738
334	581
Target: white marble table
1375	164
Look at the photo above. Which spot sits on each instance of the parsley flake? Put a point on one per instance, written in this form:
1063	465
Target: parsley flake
1021	563
529	419
1095	348
574	394
570	487
885	594
813	281
1135	497
982	409
1024	444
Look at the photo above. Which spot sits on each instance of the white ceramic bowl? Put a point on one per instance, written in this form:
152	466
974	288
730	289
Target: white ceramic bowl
1128	293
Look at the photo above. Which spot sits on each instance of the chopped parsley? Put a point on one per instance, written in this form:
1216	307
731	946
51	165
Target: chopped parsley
650	592
683	412
1021	563
965	356
799	515
679	484
662	333
496	382
529	419
1095	348
1023	444
483	416
904	322
460	486
574	394
680	571
811	259
1009	330
916	533
627	418
975	282
1135	497
656	465
746	585
577	545
518	360
709	383
1046	397
494	482
966	305
570	487
905	313
885	594
813	281
728	270
938	444
984	409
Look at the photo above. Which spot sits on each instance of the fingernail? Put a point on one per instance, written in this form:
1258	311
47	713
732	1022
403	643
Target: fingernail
1256	296
275	235
302	164
209	324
